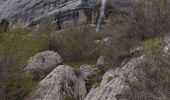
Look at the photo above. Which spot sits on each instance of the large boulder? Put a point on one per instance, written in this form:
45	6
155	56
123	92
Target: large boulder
137	79
63	83
114	81
43	63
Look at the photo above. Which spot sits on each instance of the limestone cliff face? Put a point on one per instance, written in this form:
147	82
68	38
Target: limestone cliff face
27	11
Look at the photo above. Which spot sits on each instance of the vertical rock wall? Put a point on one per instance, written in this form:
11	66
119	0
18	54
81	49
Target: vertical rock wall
26	12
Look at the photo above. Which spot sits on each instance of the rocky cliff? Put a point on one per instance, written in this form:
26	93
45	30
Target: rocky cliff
28	12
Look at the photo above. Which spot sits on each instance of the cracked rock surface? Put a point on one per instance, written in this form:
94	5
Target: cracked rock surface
62	83
114	81
43	62
26	11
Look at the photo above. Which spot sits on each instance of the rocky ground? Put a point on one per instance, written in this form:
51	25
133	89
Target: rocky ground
66	83
132	62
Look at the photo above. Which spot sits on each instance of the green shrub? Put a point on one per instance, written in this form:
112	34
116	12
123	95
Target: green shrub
78	63
117	51
94	81
16	47
69	98
18	86
110	78
152	48
4	25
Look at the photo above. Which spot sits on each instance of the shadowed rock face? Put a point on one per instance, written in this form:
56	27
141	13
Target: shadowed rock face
77	13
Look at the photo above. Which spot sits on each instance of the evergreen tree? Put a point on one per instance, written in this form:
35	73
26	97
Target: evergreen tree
4	25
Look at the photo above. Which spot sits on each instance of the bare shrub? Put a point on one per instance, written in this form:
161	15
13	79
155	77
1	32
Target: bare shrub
150	19
120	44
74	43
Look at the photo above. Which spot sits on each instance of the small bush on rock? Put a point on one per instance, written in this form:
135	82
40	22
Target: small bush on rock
152	48
153	76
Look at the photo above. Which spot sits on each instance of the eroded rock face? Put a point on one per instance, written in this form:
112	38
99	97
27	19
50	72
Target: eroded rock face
114	81
43	62
27	12
61	84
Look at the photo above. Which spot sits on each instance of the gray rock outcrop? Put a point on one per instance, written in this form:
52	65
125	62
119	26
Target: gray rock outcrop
114	81
61	84
43	63
28	11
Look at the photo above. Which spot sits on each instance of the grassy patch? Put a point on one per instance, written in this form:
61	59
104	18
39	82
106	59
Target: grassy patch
77	63
17	45
95	81
152	48
18	86
110	78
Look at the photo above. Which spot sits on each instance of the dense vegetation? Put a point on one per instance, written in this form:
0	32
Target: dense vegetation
17	45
